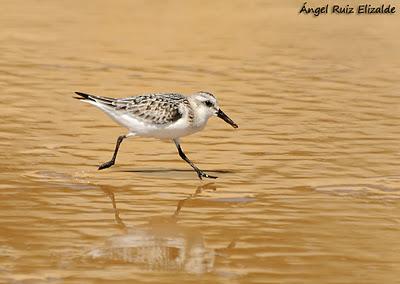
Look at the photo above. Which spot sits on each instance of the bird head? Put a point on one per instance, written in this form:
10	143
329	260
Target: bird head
207	104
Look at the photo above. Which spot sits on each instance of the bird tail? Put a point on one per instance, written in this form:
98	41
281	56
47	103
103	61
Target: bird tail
91	98
110	106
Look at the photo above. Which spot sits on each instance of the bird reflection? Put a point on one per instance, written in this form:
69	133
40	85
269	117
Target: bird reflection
118	219
209	186
199	190
161	245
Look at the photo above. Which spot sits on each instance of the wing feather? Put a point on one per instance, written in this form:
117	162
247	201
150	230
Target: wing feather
154	108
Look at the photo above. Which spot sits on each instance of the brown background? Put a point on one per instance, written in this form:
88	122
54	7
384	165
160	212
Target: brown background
308	188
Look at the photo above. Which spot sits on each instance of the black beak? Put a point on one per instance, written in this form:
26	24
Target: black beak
223	116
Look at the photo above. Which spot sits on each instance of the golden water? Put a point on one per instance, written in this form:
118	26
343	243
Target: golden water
309	185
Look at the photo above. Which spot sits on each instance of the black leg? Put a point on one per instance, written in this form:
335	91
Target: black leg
112	161
199	172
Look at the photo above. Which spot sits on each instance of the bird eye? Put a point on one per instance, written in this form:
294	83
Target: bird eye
208	103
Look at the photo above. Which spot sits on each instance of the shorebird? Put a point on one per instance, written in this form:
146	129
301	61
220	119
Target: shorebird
160	115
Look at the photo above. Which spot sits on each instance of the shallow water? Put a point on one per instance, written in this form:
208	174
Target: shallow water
308	187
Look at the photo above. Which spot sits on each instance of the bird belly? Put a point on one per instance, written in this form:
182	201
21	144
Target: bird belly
170	131
173	130
162	131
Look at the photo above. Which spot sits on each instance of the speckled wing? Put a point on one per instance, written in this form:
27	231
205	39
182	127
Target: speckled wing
158	109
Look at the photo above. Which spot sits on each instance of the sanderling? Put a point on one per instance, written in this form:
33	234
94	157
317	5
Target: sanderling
160	115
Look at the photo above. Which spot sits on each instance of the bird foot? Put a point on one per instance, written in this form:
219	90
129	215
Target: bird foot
204	175
106	165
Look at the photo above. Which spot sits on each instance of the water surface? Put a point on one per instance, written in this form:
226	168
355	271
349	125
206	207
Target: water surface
309	185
